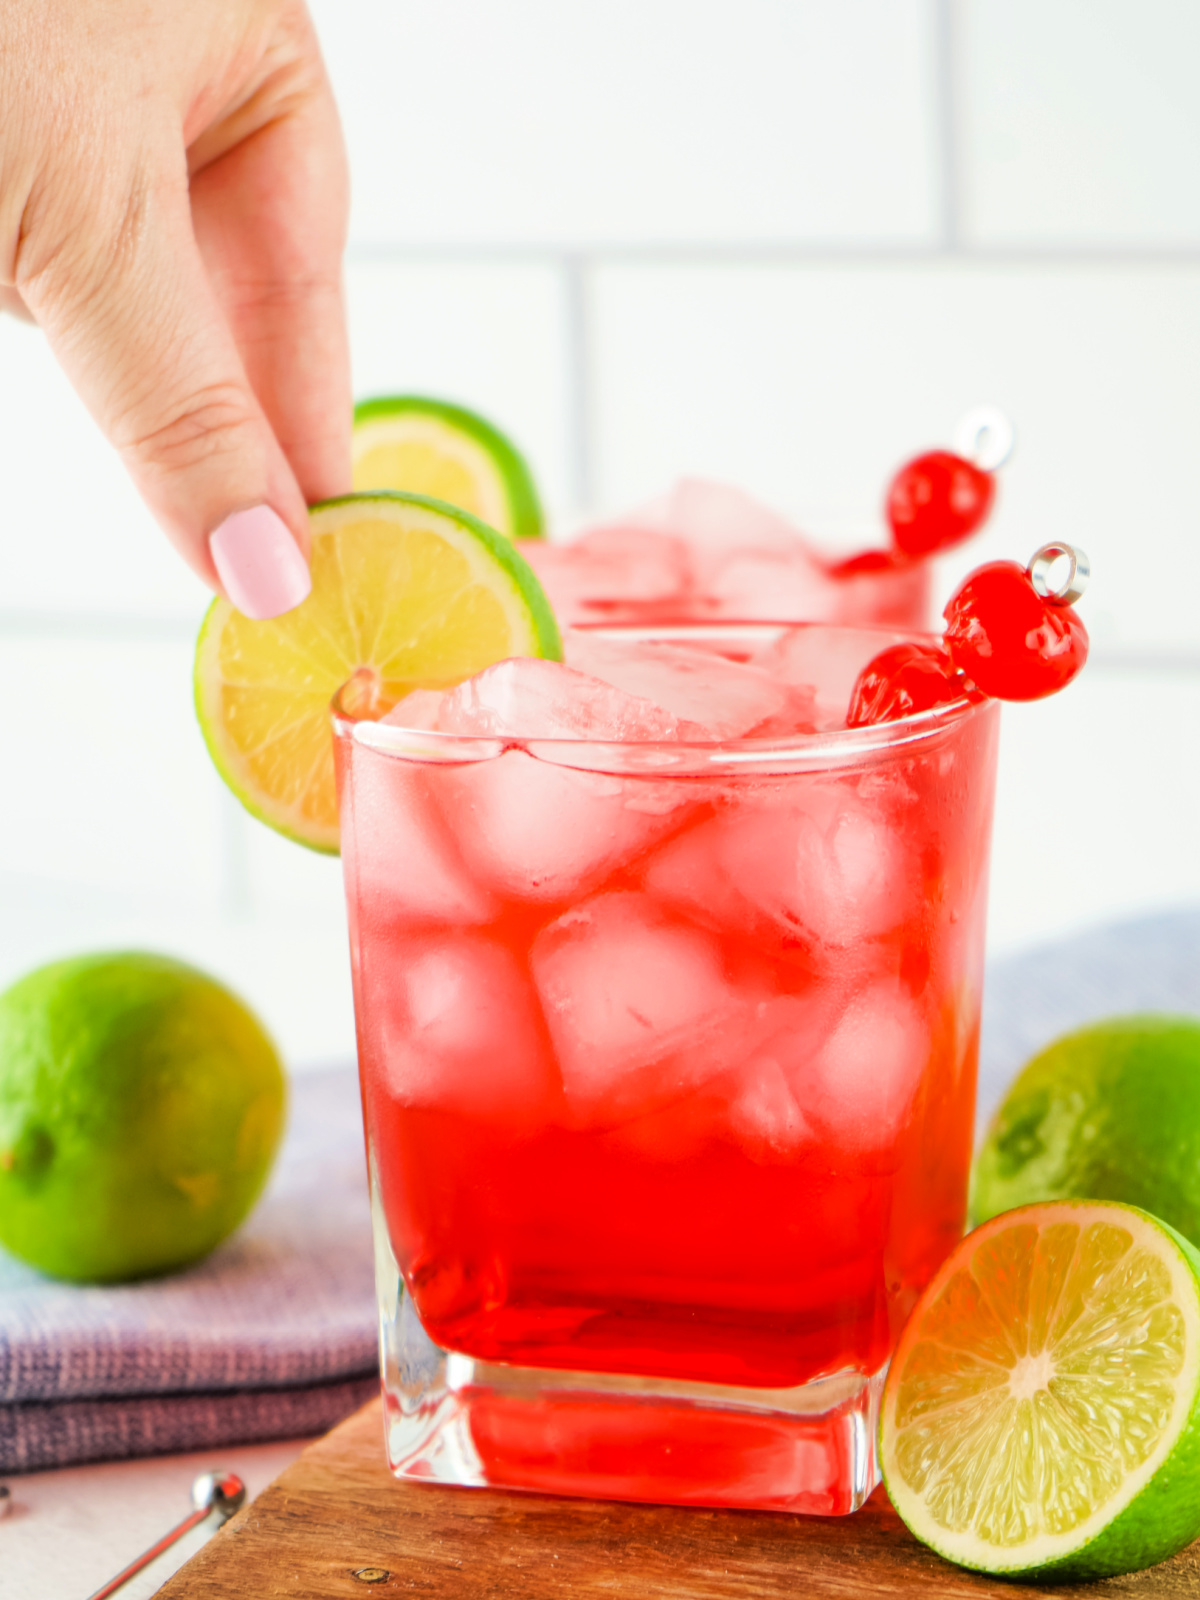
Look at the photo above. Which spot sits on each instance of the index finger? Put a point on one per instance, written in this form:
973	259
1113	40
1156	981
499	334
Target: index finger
270	220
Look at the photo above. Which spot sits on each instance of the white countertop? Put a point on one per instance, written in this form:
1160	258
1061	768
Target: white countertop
68	1532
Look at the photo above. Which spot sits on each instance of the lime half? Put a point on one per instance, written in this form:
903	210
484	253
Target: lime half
414	593
1041	1414
431	447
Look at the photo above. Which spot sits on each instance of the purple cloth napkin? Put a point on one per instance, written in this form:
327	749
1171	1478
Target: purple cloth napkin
274	1335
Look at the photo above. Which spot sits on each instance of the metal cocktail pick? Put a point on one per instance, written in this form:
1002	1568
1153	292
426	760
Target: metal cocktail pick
221	1493
1069	588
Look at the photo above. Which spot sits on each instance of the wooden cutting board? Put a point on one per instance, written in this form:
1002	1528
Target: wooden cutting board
337	1524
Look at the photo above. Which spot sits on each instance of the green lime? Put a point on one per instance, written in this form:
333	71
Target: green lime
141	1105
409	593
446	452
1041	1415
1111	1112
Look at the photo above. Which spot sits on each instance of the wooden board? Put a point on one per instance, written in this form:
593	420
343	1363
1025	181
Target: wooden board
337	1511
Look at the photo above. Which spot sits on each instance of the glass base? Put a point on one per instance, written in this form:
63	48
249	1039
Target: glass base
453	1419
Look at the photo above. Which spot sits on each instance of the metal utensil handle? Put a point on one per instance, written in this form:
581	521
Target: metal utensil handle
147	1556
219	1492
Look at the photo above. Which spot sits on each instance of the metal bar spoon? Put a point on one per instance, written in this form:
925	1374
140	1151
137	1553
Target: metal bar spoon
221	1493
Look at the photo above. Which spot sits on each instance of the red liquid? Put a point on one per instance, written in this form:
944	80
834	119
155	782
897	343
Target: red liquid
703	1112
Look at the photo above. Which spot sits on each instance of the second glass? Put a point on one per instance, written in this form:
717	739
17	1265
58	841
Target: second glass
668	1064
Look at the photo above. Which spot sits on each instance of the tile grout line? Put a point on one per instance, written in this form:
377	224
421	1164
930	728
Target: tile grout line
768	253
577	378
947	98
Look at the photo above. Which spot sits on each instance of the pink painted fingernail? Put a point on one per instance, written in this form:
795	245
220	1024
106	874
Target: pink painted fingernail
259	563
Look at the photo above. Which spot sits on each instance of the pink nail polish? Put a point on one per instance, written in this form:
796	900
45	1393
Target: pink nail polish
259	563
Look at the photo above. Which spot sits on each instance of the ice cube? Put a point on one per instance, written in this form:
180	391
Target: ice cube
764	1116
529	827
639	1007
400	854
859	1087
764	585
420	710
717	516
529	699
609	569
458	1027
534	831
700	687
819	862
826	661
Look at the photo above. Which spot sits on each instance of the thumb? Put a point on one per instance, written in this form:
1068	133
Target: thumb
130	314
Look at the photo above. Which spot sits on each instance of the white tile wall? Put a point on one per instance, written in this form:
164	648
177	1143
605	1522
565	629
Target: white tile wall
635	120
1081	122
813	382
74	537
492	333
108	785
1096	804
786	241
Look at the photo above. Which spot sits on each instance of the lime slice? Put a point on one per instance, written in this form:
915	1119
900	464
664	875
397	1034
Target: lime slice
416	593
1041	1415
433	448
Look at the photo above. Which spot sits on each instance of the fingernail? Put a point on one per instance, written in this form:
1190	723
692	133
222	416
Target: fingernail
259	563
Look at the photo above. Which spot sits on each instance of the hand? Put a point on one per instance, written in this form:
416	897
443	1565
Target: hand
173	200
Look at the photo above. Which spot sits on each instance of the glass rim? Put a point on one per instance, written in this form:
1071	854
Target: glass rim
834	747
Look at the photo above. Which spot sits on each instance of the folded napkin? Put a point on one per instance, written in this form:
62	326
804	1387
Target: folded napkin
273	1336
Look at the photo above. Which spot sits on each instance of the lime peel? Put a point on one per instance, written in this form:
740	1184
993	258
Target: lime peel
433	447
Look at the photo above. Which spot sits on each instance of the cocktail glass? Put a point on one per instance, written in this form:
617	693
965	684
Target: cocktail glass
668	1061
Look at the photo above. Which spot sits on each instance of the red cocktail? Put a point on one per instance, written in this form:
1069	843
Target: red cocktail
667	987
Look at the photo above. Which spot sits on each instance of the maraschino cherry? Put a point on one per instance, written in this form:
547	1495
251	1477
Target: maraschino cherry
1010	634
1014	636
902	680
937	501
940	498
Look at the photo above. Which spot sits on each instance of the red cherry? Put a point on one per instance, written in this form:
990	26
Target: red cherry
868	561
936	501
901	680
1011	642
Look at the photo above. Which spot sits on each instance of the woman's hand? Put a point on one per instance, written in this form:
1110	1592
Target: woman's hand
173	201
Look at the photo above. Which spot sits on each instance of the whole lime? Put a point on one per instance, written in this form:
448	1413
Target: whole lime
1111	1112
141	1106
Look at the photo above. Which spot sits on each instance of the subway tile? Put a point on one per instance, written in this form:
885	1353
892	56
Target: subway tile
810	384
108	785
635	119
74	536
1080	122
1096	805
489	336
293	970
283	877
